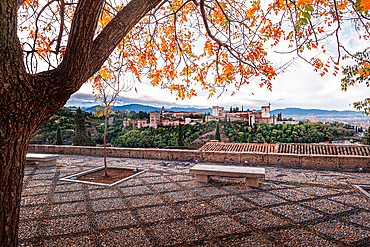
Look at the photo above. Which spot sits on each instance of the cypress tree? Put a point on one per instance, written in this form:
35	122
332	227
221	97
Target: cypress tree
80	138
59	138
217	135
180	136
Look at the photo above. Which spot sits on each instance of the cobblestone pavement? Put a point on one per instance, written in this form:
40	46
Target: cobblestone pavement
165	206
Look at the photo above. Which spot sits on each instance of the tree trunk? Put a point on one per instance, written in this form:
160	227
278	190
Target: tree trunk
12	163
29	100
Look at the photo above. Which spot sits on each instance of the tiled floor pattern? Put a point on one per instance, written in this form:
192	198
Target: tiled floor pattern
166	207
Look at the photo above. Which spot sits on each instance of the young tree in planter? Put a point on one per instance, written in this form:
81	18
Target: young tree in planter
59	138
108	83
66	42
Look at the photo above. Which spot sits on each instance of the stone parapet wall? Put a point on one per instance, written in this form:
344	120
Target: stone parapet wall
298	160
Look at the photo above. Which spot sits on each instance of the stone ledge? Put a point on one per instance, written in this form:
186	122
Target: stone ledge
351	162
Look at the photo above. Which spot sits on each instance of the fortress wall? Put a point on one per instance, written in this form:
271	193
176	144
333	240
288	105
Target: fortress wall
295	160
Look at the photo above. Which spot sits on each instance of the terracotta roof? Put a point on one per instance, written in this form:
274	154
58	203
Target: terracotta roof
239	147
288	148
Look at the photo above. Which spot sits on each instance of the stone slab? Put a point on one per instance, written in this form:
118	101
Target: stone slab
202	178
42	159
228	171
251	182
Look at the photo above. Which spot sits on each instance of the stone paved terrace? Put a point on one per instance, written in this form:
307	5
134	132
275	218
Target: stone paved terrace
290	148
166	207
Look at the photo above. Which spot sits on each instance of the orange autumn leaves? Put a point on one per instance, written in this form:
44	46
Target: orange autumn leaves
177	48
165	49
365	4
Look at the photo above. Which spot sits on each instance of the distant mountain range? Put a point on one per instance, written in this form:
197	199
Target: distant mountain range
287	112
354	117
314	112
147	108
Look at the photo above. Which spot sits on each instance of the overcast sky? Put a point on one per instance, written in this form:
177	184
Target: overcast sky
299	86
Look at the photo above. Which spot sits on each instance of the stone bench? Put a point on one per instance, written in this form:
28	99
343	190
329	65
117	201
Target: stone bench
251	174
41	159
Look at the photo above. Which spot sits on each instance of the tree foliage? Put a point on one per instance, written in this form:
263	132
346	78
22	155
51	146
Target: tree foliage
64	119
180	136
356	74
235	39
160	137
217	134
59	138
304	132
367	137
80	138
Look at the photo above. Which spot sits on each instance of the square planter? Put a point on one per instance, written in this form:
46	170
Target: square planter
74	177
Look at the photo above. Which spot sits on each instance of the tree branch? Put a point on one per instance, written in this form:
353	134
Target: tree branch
80	42
116	30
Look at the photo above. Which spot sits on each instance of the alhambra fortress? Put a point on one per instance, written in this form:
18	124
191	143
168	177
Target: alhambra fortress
253	116
170	118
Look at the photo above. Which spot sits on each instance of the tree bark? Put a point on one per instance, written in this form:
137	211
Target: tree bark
29	100
12	161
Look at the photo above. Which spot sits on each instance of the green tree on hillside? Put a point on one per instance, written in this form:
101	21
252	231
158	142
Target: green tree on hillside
59	139
80	138
217	135
180	136
367	137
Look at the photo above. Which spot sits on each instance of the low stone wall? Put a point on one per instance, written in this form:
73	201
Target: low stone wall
298	160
